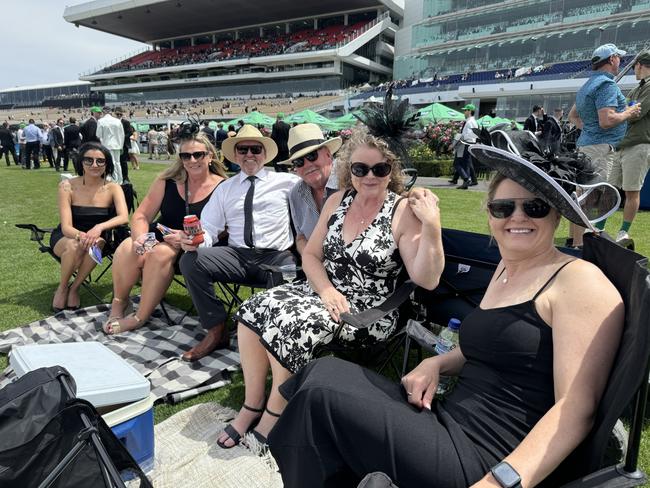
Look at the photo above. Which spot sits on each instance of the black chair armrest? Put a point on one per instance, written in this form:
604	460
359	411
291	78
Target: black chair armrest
38	234
363	319
376	480
423	336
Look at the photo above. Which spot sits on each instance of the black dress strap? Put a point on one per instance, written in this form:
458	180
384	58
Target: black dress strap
551	279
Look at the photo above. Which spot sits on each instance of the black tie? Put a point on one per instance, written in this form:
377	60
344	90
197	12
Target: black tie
248	213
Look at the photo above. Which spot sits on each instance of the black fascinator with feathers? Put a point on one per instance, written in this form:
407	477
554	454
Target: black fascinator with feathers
190	127
390	121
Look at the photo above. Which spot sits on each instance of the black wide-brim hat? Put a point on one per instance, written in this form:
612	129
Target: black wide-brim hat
596	203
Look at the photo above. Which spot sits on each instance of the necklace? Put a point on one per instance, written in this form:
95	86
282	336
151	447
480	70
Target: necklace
505	278
373	213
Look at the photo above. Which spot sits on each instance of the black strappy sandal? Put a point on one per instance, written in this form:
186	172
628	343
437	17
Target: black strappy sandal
259	437
232	433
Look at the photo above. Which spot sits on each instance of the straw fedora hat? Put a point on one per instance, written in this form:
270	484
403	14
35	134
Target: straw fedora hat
305	138
249	133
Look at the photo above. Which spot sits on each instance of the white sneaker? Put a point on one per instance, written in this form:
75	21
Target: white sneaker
622	236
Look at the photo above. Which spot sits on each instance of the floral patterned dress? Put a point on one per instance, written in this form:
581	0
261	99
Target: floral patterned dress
291	319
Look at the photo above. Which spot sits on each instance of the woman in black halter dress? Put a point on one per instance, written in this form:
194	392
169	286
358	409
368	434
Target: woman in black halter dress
89	207
532	362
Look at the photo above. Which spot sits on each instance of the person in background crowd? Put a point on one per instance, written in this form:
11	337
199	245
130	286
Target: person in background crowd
7	145
152	142
534	122
600	111
72	141
463	158
632	160
58	141
280	135
128	132
33	136
208	131
89	127
111	134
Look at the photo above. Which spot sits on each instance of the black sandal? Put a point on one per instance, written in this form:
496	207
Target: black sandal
259	437
232	433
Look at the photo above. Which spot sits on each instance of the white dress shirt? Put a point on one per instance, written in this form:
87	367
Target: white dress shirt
271	217
110	132
468	134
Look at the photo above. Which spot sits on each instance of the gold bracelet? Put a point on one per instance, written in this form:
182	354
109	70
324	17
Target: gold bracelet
78	236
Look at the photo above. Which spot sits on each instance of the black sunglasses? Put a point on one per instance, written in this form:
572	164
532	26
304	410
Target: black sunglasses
535	208
186	156
300	162
243	150
88	161
362	169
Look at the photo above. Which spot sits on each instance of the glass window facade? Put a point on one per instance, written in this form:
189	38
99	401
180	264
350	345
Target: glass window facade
34	97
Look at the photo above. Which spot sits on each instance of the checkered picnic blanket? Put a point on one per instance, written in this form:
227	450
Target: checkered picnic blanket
154	349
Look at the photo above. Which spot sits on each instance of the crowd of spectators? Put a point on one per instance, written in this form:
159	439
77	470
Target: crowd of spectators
300	41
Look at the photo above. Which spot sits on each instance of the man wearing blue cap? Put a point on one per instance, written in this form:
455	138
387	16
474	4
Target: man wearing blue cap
601	112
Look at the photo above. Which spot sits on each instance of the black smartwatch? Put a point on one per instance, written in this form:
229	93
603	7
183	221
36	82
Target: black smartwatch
506	475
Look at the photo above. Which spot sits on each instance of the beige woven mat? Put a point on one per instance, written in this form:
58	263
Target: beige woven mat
187	454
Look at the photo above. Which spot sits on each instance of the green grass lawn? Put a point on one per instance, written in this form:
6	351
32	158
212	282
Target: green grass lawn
29	278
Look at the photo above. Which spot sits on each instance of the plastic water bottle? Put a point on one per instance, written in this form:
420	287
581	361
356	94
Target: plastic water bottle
447	341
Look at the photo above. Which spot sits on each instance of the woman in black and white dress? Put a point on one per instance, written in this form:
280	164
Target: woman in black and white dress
365	236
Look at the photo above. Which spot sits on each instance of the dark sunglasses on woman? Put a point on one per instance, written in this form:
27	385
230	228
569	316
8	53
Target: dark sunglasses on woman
88	161
186	156
362	169
535	208
243	150
300	162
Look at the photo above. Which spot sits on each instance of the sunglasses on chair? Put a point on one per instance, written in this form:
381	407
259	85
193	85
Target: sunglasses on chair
535	208
300	162
362	169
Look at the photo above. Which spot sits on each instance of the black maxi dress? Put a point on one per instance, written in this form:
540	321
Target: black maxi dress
344	421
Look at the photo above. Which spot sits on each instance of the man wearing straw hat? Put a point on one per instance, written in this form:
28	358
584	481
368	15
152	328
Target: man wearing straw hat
253	207
312	158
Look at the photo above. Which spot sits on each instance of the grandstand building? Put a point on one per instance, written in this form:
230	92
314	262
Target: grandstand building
509	55
62	95
217	48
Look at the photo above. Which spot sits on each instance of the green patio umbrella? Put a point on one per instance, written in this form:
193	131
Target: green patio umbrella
346	121
309	116
213	125
142	127
254	118
487	121
437	112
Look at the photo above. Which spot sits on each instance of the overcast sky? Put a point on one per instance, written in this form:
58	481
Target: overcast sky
39	46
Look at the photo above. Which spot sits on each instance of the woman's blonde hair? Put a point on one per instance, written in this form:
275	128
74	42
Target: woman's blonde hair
361	137
177	172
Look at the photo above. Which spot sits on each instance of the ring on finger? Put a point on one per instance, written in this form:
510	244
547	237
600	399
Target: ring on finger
409	393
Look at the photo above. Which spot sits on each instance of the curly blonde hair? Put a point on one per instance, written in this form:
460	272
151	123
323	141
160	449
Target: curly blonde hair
176	171
361	137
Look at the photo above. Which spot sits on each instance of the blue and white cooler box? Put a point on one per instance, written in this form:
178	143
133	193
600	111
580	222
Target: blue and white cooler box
116	389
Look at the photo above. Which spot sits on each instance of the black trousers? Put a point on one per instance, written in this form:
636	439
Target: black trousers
201	269
344	421
48	154
7	150
69	153
124	164
32	152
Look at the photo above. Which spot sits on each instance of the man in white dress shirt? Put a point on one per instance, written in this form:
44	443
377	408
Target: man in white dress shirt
463	159
111	134
253	206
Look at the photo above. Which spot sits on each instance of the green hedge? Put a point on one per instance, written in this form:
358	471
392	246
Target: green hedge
435	167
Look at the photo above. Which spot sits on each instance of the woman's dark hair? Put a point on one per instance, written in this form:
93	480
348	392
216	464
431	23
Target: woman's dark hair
231	128
93	146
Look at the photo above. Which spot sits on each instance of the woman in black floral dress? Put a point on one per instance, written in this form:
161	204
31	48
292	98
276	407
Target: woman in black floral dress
365	236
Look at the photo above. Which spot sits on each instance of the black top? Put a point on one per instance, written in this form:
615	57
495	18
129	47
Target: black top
71	137
6	139
85	218
506	384
172	208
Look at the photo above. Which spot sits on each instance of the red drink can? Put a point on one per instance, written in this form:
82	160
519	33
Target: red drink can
192	227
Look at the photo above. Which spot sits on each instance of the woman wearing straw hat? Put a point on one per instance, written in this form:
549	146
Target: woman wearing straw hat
533	361
365	236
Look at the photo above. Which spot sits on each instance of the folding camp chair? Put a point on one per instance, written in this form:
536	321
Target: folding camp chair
628	381
117	235
48	438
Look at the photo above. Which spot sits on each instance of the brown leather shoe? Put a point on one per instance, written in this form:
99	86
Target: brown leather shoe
216	338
